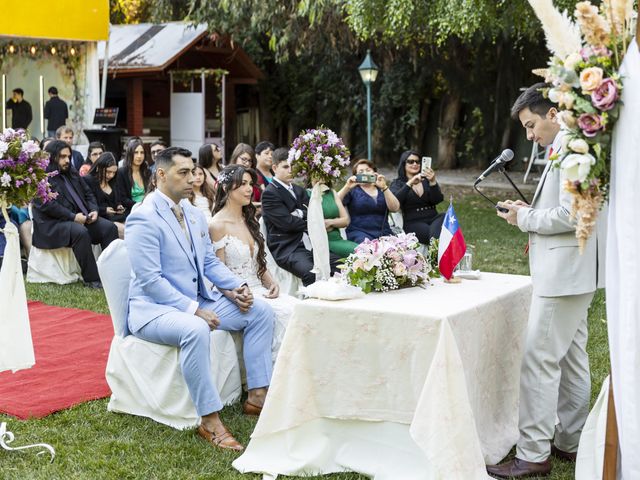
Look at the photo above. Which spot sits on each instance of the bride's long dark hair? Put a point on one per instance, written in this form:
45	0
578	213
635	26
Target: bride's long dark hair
229	179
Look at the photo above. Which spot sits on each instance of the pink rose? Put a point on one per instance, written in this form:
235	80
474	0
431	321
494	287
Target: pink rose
599	51
590	124
606	95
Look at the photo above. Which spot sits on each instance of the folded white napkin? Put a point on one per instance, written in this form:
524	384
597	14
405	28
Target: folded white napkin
331	290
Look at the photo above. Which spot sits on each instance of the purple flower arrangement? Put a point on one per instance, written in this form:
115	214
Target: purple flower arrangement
318	154
23	174
387	263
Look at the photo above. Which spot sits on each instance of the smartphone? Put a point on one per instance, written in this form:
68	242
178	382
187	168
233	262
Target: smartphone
426	163
366	178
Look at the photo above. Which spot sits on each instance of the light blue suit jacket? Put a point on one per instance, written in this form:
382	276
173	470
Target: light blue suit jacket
166	275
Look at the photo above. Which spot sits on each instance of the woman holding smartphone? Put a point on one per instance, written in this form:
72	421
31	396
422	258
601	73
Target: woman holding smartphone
368	201
418	192
101	180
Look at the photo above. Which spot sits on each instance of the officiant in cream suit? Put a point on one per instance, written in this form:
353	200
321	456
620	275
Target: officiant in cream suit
555	378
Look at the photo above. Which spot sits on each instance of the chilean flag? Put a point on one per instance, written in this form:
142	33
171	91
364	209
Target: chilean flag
452	247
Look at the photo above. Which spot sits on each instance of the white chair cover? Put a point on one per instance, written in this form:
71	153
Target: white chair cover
16	347
57	265
144	377
288	282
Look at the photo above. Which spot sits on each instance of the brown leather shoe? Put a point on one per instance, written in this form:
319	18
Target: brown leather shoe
562	455
249	408
520	469
224	440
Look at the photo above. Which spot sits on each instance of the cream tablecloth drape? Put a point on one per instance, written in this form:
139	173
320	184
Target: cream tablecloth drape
416	383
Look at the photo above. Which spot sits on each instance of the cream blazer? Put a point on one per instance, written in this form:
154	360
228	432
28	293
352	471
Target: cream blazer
556	265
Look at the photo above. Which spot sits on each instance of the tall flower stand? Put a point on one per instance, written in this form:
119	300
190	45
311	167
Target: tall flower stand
16	347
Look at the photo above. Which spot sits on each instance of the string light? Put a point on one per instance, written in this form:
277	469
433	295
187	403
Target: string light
72	51
33	49
53	50
12	49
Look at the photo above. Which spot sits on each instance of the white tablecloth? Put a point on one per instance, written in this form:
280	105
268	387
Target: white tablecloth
416	383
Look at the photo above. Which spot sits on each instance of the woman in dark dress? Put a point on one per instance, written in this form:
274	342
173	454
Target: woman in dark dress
418	194
101	180
368	204
134	176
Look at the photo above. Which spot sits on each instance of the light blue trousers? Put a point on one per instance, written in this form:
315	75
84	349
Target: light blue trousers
192	335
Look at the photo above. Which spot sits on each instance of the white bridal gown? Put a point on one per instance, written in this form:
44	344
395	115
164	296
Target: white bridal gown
239	260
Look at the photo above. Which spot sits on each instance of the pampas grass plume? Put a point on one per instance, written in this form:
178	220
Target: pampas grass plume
562	35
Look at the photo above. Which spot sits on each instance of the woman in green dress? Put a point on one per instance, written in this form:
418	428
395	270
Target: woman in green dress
335	218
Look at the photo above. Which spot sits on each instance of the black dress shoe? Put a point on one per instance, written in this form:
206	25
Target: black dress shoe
562	455
95	284
517	468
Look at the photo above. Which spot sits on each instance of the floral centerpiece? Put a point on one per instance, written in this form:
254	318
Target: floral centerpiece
23	175
585	83
387	263
318	154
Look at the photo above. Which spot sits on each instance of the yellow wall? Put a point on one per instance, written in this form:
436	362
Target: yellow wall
56	19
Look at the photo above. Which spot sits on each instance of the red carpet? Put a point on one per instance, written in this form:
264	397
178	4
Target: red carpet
71	348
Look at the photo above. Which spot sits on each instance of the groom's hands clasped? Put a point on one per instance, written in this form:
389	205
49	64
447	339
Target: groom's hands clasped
241	296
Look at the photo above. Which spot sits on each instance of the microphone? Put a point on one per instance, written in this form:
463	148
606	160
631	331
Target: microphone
505	157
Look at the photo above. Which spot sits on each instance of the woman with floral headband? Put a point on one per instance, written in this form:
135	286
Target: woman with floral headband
240	245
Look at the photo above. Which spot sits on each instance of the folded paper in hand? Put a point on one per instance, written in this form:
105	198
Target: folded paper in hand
331	290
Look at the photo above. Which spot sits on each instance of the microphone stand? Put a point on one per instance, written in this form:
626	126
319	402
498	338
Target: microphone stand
504	172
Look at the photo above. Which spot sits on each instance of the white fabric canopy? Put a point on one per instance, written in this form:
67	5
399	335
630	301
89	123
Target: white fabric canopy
623	268
16	347
416	383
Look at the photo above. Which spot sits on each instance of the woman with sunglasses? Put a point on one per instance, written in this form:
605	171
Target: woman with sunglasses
210	159
418	193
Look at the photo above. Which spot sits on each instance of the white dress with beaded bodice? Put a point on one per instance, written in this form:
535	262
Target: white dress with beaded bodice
238	258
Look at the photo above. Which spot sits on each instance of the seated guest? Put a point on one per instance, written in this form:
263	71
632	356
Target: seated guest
93	152
71	219
169	303
45	141
418	194
210	158
244	155
264	162
203	196
240	245
335	218
154	149
284	209
65	134
368	204
134	177
101	181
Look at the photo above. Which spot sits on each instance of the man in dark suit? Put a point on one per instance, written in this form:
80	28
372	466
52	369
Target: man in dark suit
65	134
71	219
284	209
55	111
21	110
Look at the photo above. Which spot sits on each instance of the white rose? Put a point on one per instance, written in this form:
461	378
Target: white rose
578	145
576	167
554	95
4	146
572	61
5	179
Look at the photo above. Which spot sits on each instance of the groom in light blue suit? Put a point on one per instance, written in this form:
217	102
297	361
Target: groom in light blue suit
169	303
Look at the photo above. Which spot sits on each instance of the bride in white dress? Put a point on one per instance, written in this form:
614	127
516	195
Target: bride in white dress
237	241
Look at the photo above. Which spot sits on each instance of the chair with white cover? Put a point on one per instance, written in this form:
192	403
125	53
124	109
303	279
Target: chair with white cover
288	282
144	377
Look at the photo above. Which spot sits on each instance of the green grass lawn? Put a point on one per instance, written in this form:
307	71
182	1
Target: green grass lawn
94	444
